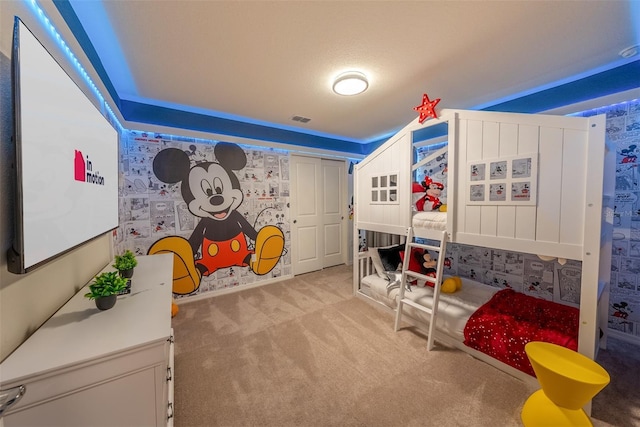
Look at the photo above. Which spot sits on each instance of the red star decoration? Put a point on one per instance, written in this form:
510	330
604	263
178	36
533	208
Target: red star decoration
427	108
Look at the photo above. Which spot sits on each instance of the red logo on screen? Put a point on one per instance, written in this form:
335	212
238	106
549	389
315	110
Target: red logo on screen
79	166
83	170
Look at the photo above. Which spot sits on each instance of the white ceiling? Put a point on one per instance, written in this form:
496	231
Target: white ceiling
267	61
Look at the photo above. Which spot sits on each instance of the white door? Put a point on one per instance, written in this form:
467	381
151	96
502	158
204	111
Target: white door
333	218
306	214
318	205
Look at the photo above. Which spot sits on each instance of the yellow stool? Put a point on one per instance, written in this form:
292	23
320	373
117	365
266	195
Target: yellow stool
569	380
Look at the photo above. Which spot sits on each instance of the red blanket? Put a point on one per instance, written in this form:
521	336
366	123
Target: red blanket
504	324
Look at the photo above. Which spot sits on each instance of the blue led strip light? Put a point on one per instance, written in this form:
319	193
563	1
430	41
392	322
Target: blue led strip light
39	13
594	111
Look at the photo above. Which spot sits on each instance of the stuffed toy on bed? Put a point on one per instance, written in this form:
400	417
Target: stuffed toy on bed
417	193
421	262
427	195
427	265
451	285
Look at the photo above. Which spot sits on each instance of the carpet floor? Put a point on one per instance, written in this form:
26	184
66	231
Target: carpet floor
306	352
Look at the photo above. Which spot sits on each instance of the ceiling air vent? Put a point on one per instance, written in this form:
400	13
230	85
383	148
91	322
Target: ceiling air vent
300	119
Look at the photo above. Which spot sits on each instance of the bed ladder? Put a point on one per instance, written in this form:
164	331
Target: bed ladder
433	312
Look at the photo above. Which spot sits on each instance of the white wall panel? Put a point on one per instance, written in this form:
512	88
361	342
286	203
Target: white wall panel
574	158
490	150
474	140
506	220
528	138
525	220
508	139
392	157
474	152
549	185
490	140
460	171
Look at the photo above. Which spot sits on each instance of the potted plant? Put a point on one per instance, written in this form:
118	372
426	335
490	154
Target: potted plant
105	288
125	264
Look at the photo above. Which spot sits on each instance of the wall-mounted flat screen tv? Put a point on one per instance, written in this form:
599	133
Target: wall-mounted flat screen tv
66	159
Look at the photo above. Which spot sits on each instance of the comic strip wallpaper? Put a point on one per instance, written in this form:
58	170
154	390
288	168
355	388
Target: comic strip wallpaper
553	280
221	208
623	130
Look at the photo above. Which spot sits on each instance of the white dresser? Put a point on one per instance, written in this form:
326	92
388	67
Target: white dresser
100	368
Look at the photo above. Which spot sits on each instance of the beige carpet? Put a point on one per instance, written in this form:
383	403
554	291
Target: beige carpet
305	352
619	403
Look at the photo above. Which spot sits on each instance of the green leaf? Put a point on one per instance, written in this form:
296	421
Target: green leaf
126	261
105	284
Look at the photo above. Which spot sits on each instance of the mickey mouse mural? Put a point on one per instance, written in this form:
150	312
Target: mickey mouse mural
222	237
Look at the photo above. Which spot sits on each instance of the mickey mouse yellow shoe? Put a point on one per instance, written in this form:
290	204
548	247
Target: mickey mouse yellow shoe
269	247
186	277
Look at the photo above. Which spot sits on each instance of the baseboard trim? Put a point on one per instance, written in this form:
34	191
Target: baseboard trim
623	337
226	291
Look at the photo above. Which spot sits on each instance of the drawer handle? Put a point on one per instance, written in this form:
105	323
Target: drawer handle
10	397
169	411
169	376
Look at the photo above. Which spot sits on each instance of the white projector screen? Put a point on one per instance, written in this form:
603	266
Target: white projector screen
67	158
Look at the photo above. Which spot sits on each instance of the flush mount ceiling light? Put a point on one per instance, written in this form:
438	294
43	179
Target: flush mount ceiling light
350	83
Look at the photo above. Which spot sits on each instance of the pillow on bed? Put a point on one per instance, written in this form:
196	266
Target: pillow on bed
390	257
383	259
377	263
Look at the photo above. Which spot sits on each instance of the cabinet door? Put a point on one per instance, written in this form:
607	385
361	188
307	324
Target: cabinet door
126	401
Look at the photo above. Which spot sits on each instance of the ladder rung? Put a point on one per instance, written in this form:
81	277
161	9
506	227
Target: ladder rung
432	311
420	276
416	305
429	247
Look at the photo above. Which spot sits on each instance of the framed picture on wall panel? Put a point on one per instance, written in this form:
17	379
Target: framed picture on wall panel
476	193
509	181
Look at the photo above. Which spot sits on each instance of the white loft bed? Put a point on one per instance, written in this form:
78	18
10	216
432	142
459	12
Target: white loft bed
567	215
